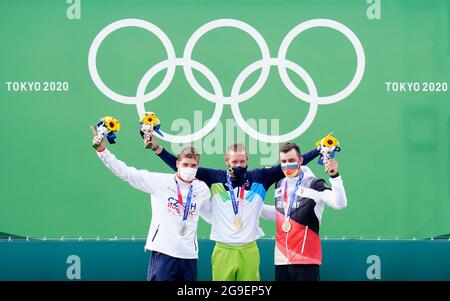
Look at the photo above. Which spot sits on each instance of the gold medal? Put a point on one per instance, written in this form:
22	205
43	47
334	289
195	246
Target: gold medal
183	229
286	226
238	223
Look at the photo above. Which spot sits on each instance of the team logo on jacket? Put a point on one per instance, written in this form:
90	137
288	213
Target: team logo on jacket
175	208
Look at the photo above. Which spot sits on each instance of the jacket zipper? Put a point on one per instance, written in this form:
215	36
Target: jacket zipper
156	232
304	239
287	248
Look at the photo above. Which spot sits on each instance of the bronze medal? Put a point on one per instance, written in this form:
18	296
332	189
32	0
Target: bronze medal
286	226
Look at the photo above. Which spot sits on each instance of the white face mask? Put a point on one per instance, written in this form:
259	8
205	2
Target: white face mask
187	173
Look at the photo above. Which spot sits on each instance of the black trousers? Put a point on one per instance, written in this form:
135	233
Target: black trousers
297	272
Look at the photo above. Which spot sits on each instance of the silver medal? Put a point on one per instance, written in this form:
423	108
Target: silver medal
183	229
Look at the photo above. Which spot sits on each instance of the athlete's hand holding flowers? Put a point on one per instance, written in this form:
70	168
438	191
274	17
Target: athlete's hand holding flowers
331	167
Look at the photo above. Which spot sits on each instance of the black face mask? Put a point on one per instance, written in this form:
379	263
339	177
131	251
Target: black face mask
239	172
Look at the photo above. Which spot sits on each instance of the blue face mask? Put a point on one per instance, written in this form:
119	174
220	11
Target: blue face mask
238	171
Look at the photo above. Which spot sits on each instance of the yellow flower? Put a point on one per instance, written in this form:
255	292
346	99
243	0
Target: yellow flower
150	118
328	141
111	123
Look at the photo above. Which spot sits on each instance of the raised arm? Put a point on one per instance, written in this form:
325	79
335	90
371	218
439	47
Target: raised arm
270	175
168	158
309	156
207	175
335	196
142	180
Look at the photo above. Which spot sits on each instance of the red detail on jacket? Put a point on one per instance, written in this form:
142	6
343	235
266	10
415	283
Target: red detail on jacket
300	250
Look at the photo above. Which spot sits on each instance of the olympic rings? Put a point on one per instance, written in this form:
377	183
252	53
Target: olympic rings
265	63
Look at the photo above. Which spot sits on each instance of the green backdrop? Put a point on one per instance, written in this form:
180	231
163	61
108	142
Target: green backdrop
395	159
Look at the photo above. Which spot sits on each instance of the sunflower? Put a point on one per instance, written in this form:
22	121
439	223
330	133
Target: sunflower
327	141
111	123
330	141
150	118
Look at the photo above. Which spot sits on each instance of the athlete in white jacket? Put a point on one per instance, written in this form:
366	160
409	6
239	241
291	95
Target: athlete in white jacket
177	200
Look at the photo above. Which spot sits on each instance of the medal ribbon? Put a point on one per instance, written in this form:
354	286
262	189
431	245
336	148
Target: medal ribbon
287	213
233	197
180	200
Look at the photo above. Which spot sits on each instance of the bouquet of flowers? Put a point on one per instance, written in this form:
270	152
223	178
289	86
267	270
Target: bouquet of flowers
148	123
106	128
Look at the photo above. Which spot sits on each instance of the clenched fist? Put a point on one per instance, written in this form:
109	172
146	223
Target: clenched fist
331	167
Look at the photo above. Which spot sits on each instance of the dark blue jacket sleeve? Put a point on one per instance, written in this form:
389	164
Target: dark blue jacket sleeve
169	159
309	156
268	176
210	175
207	175
271	175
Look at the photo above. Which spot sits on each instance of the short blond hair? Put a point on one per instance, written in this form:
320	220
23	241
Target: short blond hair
236	148
189	152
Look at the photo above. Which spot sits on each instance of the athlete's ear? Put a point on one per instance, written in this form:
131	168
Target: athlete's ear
178	163
300	162
226	159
